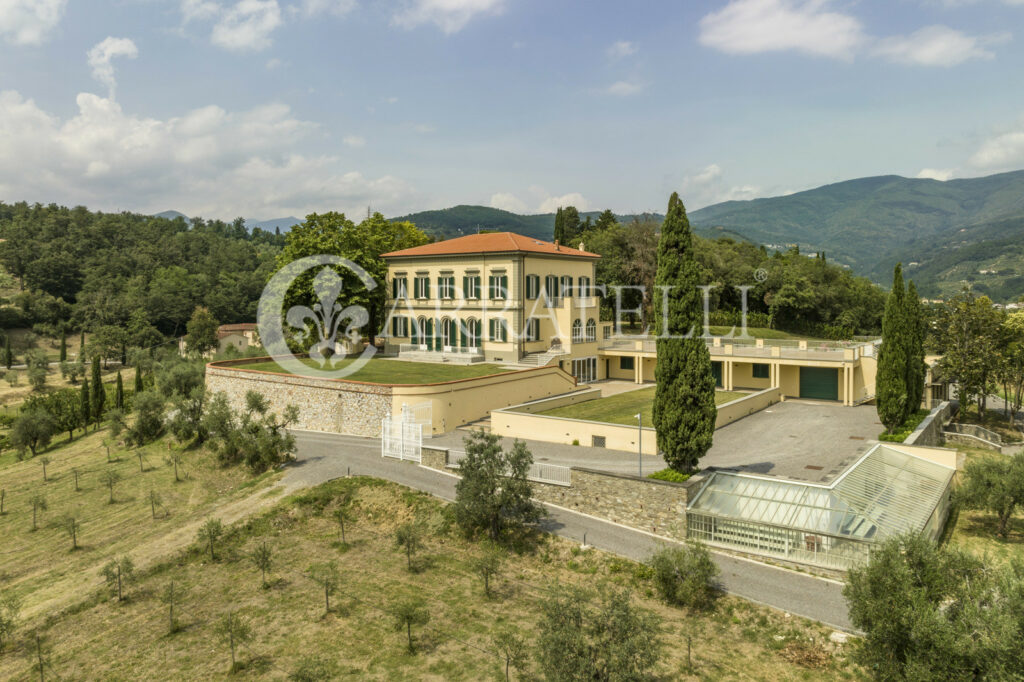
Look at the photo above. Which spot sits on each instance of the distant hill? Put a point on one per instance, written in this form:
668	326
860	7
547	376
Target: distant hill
871	223
269	225
170	215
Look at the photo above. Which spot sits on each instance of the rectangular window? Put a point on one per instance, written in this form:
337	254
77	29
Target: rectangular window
532	331
497	286
471	287
399	327
498	330
566	287
399	288
584	286
446	287
761	371
422	287
532	286
626	363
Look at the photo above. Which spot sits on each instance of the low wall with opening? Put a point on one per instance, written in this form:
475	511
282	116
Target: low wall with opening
521	421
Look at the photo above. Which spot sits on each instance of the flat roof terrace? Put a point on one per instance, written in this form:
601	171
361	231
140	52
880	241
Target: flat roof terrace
785	349
389	371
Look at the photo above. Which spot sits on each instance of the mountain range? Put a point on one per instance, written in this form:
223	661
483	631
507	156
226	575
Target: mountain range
945	233
269	225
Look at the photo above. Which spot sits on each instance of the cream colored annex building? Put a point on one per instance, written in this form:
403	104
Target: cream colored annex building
495	297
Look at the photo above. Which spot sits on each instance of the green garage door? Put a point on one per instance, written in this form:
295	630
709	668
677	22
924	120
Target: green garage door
716	371
820	383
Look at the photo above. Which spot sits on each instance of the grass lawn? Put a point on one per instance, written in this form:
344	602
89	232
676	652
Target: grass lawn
384	371
622	408
102	638
41	567
975	531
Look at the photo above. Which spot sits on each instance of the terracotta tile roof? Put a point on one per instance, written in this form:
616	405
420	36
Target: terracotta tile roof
492	242
240	327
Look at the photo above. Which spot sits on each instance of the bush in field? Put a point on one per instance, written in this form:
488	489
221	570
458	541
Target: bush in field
172	596
488	566
407	613
610	640
12	376
234	630
118	573
409	537
253	436
326	576
10	608
685	576
264	560
312	668
37	378
149	418
209	534
187	422
33	429
513	649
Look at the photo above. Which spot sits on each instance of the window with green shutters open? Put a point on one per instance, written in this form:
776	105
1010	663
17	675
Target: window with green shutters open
471	287
566	288
532	286
446	287
584	286
421	287
400	327
497	286
532	330
497	330
399	288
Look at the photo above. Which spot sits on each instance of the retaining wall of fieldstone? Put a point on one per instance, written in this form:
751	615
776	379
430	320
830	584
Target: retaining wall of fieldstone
331	405
929	431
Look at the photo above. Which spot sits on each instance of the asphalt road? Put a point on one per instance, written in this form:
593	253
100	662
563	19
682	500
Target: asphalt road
322	457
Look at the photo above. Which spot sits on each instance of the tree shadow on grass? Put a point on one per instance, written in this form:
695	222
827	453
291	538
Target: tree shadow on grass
985	527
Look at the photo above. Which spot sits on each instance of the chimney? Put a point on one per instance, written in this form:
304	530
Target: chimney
581	247
556	245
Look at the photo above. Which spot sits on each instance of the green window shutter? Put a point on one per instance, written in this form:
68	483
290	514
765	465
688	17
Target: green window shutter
465	339
504	286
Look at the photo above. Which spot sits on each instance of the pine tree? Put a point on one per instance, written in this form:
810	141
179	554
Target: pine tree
559	234
915	349
63	347
138	380
891	396
684	394
85	409
119	393
98	396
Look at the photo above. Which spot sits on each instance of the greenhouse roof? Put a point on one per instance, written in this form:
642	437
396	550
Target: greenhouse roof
885	493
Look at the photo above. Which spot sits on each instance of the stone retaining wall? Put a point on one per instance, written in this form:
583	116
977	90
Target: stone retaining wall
657	507
929	431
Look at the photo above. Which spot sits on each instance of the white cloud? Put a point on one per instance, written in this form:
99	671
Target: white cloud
1003	151
551	204
311	8
208	161
940	174
936	46
708	186
507	201
199	10
354	141
29	22
451	16
753	26
623	88
621	48
247	25
102	53
424	128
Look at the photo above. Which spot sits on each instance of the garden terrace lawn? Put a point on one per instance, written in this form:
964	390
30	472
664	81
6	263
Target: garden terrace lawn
622	408
102	639
975	530
384	371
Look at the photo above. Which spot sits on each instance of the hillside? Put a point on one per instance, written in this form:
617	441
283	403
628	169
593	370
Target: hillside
870	223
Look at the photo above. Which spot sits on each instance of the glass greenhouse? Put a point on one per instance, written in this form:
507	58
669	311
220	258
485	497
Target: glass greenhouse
886	492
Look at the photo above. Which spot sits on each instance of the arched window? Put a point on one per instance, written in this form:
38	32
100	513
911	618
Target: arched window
577	331
591	330
447	335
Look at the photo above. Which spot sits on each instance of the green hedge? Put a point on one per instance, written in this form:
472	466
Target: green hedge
900	434
669	475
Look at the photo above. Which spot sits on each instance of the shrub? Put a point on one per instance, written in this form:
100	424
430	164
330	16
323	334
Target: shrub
669	475
312	668
685	576
901	432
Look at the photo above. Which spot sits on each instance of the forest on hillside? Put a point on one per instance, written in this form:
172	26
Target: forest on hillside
72	269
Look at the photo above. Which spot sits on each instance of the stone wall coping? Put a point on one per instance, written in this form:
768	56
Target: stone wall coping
629	477
227	365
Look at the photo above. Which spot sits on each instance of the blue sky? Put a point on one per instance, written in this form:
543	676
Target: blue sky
266	108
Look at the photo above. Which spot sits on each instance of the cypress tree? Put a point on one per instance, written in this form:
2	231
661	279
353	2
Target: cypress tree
8	359
85	410
684	395
124	355
570	224
559	234
119	393
98	396
891	397
915	349
63	347
81	343
138	380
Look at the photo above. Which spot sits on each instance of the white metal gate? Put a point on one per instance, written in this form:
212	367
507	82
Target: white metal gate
401	439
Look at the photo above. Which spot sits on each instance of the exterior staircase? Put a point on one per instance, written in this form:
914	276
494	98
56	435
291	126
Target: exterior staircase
541	359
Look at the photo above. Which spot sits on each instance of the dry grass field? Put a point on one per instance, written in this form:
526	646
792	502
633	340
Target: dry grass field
101	638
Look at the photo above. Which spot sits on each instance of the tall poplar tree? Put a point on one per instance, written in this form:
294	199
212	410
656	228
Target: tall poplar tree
63	347
138	380
98	396
684	395
915	349
119	393
891	397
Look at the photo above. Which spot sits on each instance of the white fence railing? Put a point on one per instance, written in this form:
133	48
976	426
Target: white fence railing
539	472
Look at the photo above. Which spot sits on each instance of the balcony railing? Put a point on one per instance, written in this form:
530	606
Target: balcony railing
766	348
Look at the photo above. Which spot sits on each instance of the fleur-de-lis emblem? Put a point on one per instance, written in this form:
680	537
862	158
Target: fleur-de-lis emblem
326	315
